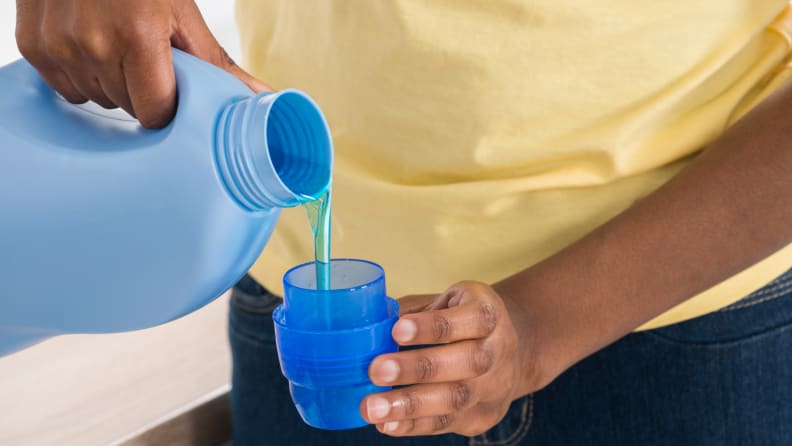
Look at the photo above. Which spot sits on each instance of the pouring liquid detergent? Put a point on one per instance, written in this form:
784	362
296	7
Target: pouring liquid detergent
106	226
318	212
335	319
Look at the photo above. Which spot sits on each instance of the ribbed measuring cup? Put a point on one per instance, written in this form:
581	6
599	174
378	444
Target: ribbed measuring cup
327	338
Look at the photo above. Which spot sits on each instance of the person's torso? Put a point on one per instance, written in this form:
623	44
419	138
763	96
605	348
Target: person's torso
477	137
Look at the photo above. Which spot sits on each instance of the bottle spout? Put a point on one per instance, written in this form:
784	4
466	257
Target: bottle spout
274	150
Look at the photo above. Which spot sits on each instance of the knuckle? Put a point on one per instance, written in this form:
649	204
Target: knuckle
138	31
488	317
441	328
461	394
28	45
475	286
58	47
482	359
466	284
145	35
441	422
94	45
411	403
425	368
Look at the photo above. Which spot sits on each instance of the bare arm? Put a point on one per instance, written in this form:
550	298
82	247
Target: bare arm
729	209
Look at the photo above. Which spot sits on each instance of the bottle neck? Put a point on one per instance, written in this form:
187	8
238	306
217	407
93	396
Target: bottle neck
274	150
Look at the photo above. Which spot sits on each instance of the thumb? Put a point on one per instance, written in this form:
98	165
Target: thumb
416	303
193	36
254	84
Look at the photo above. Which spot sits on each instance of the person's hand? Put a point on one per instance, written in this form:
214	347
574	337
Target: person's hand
118	52
463	385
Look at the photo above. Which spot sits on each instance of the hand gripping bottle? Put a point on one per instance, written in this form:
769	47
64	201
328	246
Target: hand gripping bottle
326	339
106	226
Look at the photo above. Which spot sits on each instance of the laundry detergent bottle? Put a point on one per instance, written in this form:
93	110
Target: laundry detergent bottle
106	226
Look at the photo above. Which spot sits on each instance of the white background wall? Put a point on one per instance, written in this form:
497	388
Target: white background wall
8	50
96	389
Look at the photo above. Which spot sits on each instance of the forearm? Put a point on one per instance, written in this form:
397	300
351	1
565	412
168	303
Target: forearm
729	209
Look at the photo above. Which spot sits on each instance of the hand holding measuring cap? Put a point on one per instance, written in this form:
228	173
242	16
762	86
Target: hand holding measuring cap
465	381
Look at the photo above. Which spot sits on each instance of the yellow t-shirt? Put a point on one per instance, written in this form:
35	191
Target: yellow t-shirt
475	138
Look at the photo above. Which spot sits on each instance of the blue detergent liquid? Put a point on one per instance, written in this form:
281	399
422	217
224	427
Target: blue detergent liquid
319	218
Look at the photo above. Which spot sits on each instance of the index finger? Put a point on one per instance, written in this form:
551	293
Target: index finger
472	320
151	82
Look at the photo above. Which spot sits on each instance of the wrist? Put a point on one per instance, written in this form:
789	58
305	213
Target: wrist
542	355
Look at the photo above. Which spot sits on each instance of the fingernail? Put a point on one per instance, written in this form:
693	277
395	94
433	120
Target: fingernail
377	408
388	371
404	330
390	426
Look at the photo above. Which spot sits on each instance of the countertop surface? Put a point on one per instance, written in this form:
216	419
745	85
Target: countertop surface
100	389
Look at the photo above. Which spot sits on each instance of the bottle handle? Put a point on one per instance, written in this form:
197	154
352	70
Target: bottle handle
117	115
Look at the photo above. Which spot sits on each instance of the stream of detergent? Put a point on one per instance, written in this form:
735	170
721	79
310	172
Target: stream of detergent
319	217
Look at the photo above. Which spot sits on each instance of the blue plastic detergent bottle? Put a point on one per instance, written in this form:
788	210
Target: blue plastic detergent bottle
106	226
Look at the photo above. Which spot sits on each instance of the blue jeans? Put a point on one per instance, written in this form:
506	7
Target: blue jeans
720	379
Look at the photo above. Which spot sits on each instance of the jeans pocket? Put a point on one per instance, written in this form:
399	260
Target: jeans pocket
760	314
250	313
512	429
247	295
